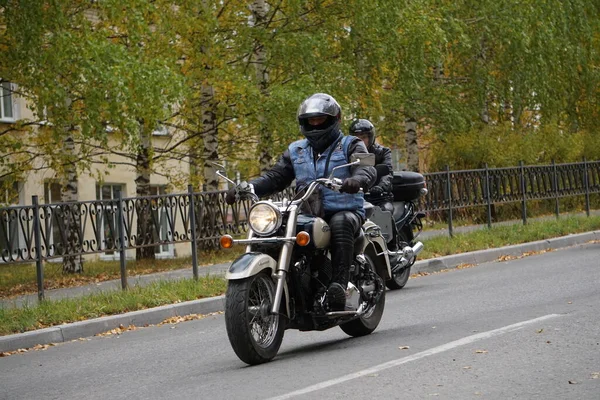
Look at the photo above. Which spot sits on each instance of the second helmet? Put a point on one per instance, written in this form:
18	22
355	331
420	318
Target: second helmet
363	128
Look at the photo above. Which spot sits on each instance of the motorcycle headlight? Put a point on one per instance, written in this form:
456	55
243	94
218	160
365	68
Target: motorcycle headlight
264	218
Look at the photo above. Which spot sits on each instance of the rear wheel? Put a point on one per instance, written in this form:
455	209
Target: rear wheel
254	333
369	321
400	278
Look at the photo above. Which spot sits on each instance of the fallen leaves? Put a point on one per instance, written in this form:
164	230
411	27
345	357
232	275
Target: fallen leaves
117	331
37	347
459	266
481	351
509	257
172	320
595	375
179	318
404	347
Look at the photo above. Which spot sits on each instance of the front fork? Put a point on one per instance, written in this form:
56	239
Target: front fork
284	262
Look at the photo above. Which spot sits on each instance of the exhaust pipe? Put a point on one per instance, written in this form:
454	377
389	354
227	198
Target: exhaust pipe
410	252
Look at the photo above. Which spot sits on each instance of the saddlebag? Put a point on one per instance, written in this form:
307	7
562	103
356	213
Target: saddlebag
406	185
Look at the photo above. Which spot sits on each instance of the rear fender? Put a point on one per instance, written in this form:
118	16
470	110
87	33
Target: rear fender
376	245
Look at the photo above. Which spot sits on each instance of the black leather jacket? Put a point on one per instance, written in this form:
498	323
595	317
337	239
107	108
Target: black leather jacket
383	157
282	174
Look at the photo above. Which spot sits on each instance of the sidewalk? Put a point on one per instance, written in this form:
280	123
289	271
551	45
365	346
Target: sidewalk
74	331
217	269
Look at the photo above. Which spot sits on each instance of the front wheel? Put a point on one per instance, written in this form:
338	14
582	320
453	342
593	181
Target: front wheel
254	333
400	278
367	323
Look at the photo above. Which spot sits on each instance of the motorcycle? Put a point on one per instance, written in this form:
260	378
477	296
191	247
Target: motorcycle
404	224
281	281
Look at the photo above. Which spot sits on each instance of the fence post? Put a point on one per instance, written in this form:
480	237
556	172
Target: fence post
555	181
123	248
523	187
587	187
39	267
193	232
449	188
487	196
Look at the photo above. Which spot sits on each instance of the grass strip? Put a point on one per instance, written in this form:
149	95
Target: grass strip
56	312
19	279
505	235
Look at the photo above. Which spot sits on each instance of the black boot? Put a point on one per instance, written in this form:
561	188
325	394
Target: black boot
345	226
336	297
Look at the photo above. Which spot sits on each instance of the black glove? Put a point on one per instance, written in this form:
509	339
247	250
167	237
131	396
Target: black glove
350	185
376	191
230	196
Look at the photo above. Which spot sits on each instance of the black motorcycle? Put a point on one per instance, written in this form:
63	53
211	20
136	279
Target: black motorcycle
404	225
281	281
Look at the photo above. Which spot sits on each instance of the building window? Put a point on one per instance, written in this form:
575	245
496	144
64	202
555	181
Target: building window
108	192
160	130
162	214
107	227
11	236
7	105
9	194
52	195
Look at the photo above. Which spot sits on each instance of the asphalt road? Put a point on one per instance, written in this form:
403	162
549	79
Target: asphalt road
523	329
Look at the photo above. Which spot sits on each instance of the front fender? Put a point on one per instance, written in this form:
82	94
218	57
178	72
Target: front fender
250	264
253	263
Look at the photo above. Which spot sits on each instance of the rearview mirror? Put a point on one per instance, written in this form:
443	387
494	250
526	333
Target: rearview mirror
364	159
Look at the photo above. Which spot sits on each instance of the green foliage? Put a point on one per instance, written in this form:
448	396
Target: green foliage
480	75
502	146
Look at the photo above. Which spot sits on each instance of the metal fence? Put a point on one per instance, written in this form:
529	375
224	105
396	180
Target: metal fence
39	232
452	190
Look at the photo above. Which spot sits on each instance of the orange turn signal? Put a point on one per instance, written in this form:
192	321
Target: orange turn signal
302	238
226	241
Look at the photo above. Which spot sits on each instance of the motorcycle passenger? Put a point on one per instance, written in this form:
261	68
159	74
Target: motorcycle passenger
380	193
324	147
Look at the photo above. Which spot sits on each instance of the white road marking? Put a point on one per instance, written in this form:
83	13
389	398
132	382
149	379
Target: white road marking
414	357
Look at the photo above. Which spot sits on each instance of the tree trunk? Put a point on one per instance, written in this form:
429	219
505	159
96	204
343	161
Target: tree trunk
412	147
484	112
210	136
145	222
259	10
72	216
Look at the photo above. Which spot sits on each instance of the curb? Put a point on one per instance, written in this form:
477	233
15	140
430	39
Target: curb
76	330
482	256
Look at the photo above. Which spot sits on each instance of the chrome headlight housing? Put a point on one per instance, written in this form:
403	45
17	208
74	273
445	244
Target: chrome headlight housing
264	218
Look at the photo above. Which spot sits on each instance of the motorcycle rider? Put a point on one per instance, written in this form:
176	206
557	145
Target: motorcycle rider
323	148
380	193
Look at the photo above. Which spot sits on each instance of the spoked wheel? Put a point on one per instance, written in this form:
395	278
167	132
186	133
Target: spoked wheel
400	278
254	333
367	323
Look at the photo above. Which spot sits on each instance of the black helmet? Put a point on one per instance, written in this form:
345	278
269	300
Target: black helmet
363	128
322	135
